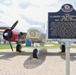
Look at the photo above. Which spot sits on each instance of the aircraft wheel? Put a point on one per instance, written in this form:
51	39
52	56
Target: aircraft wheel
18	48
63	48
35	53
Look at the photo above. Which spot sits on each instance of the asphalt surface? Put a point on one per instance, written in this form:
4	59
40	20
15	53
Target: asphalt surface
50	62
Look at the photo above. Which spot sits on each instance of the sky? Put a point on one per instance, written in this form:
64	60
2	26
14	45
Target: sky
29	12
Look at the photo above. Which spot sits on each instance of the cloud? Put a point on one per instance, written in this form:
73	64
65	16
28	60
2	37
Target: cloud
24	5
2	23
6	2
43	3
32	22
35	13
29	12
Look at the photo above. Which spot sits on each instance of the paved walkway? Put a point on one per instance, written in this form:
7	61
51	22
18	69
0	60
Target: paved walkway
50	62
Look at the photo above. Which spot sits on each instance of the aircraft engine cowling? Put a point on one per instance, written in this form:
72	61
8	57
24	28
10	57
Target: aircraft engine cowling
10	35
36	34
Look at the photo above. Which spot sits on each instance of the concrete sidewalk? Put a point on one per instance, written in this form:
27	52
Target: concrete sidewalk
50	62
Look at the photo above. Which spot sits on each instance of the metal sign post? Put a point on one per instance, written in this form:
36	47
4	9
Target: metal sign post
67	58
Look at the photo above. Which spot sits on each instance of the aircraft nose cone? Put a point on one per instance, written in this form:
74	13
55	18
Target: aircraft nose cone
5	34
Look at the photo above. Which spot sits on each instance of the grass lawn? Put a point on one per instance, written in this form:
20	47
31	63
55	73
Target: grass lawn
7	46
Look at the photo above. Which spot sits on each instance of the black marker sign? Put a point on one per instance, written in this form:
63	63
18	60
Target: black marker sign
62	24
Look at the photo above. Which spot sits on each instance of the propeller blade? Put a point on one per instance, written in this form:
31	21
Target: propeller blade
14	25
11	45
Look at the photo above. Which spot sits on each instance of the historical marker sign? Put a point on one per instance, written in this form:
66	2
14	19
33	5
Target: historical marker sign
62	24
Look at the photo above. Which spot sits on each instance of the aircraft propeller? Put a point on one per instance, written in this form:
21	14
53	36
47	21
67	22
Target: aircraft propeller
8	34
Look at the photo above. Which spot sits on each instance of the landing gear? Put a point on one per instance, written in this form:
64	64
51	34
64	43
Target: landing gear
18	48
62	48
35	53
